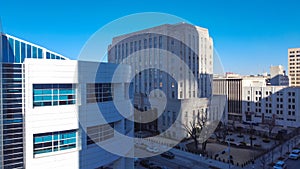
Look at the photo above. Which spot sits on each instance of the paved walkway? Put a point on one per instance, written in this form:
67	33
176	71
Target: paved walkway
202	161
206	162
286	147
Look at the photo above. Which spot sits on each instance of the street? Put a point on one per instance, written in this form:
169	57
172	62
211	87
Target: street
292	164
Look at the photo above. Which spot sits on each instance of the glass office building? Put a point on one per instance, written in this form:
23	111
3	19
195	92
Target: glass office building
45	107
13	53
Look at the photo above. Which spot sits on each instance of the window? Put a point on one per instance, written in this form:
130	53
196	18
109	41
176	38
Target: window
160	41
40	53
172	84
17	52
47	55
145	43
53	94
96	134
155	42
150	42
11	50
54	141
34	52
99	92
23	51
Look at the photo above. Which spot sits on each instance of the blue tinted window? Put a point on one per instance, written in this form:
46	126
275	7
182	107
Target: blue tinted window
5	49
52	56
11	50
28	51
47	55
54	141
34	52
53	94
23	52
17	54
40	53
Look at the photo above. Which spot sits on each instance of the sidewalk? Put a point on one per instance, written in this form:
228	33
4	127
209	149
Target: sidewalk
203	161
276	155
206	162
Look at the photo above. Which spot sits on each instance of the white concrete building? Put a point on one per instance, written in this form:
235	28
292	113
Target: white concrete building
176	59
262	103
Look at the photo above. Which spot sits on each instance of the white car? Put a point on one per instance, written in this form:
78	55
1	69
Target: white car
152	149
295	154
280	165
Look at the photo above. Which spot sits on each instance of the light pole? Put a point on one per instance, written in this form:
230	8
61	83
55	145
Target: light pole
228	154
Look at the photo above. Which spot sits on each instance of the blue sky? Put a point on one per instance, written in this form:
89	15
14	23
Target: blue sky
249	35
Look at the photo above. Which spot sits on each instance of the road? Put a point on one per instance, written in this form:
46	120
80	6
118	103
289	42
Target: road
291	164
179	162
176	163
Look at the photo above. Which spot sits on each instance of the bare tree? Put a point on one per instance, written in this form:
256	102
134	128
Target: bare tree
199	129
264	162
202	120
221	131
251	132
288	145
193	130
270	125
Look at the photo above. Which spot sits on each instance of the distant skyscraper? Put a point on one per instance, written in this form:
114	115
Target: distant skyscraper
276	70
278	76
294	66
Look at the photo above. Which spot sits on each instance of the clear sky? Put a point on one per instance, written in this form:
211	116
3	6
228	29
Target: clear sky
249	35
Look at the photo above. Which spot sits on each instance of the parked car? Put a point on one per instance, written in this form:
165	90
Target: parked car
280	165
152	149
295	154
146	163
168	154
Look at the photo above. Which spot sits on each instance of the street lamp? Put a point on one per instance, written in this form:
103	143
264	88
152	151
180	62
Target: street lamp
228	154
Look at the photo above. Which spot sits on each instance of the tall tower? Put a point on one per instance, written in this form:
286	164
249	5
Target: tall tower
152	54
294	66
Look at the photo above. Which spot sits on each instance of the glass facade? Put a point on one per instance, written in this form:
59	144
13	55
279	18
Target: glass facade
53	94
12	116
99	92
54	141
13	53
